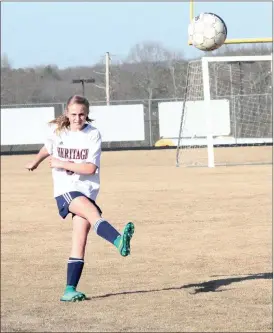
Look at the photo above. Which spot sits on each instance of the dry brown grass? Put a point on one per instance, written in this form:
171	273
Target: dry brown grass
201	255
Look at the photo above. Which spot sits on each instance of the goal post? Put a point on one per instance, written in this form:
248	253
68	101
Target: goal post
227	104
206	86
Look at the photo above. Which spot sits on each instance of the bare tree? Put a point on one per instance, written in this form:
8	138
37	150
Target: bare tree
5	61
155	74
150	71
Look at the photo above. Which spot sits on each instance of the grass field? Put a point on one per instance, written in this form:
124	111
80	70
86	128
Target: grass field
201	257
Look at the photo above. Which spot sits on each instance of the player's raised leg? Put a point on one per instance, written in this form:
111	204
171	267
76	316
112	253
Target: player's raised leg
81	206
80	232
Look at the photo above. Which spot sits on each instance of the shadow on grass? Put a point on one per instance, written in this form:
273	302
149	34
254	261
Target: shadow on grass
202	287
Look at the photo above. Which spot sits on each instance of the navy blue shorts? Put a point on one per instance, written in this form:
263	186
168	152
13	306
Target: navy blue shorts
64	200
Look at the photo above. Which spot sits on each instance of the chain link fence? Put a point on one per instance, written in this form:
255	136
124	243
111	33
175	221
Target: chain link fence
250	123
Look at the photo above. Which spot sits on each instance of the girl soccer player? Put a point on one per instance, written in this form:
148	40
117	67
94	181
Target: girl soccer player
74	147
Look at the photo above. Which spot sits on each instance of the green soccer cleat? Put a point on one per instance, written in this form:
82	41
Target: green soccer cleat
123	243
71	295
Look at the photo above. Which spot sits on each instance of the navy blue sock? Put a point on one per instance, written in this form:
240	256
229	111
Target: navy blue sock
106	231
75	267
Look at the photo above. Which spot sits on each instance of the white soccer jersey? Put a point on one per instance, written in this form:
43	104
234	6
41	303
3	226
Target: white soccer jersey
79	147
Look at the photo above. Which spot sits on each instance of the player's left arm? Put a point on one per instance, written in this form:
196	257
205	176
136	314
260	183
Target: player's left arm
87	168
80	168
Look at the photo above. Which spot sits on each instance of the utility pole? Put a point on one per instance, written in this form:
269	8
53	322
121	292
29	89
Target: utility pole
107	78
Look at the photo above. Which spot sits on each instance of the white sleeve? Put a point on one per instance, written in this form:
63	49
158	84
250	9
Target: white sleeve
49	140
94	153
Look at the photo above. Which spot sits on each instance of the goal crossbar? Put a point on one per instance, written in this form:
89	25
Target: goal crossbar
238	58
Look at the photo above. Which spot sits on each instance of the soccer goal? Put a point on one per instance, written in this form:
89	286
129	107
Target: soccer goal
226	113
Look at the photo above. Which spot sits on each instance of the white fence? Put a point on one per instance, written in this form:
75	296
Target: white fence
27	126
139	124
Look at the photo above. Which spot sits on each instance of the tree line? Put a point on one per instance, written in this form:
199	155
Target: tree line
150	71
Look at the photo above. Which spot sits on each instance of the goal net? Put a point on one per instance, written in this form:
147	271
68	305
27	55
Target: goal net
226	114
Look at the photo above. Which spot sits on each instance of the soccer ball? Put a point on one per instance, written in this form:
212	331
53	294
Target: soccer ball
207	32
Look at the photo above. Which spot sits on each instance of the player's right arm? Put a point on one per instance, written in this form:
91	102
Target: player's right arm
45	151
41	155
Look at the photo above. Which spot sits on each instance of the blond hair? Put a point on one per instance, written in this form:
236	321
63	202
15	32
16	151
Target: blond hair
62	121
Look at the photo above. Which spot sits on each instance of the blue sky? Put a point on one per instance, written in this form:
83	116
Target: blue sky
79	33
